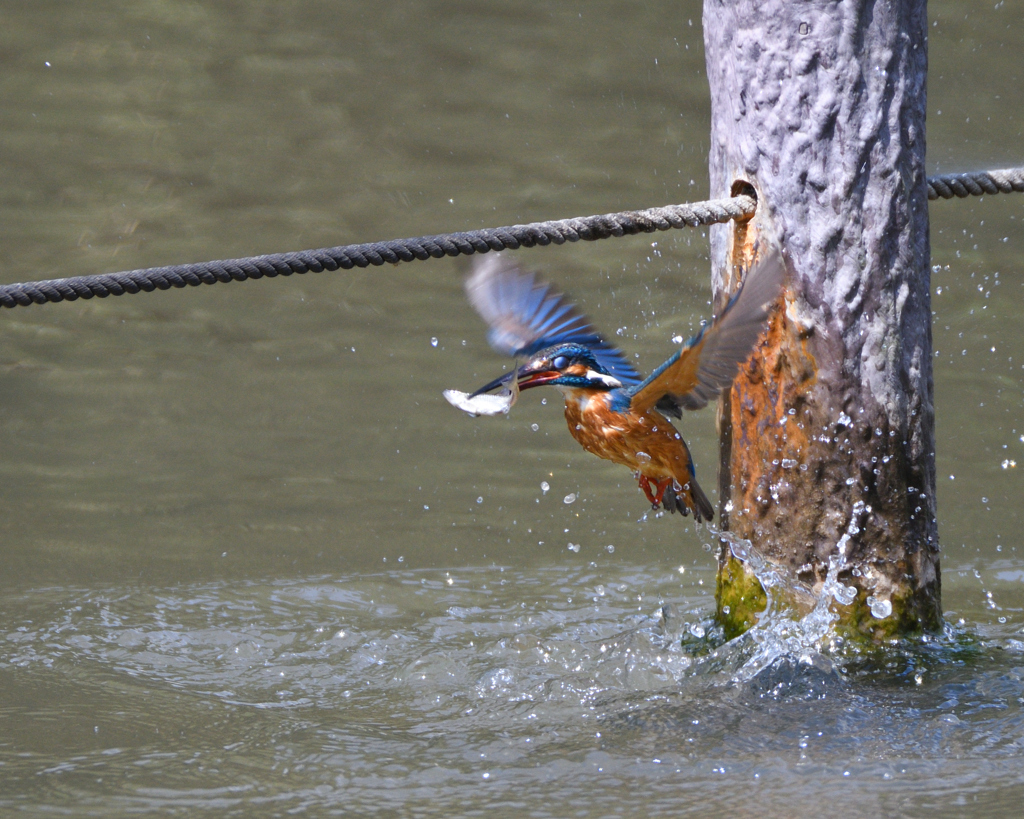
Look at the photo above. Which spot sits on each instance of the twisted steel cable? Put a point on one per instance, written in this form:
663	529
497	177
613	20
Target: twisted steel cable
962	185
585	228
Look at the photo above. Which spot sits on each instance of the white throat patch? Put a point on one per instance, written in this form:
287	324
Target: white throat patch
607	380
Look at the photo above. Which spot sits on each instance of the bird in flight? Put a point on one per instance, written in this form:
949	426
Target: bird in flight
611	411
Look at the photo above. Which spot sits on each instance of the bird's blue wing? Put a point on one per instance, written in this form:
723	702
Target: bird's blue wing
708	362
526	316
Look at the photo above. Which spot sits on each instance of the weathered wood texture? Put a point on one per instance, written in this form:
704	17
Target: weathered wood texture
820	107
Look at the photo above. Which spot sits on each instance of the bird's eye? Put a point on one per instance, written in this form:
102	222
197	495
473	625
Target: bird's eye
559	362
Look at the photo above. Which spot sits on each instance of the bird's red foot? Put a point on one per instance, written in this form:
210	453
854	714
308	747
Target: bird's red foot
656	494
646	486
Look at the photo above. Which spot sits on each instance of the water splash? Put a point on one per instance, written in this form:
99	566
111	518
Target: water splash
779	635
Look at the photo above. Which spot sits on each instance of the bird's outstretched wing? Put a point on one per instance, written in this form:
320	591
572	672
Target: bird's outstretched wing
708	362
526	315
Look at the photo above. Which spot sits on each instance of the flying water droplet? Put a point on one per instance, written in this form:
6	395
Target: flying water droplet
880	608
844	595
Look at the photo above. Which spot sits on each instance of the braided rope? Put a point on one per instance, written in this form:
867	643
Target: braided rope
585	228
962	185
588	228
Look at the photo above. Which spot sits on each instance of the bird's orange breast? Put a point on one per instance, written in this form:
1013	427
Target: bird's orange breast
645	442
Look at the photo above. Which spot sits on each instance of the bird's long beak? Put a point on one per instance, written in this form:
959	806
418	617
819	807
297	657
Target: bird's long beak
526	376
500	381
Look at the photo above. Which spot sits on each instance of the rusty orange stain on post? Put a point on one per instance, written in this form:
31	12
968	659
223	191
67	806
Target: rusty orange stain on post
770	425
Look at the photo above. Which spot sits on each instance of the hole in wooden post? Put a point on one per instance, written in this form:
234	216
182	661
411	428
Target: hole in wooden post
741	187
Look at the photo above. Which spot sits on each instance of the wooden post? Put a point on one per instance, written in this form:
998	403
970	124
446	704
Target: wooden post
818	107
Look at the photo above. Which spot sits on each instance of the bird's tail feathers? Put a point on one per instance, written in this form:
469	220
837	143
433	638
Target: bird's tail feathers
675	501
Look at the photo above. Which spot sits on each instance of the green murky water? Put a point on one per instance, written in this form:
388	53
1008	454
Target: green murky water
253	563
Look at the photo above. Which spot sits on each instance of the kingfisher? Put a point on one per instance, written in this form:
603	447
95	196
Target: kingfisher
610	410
